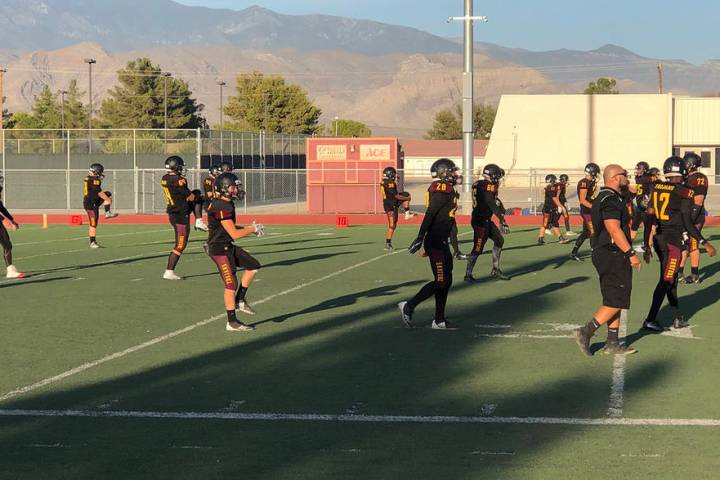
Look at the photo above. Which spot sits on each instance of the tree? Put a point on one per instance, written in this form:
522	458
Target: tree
602	86
45	112
346	128
7	118
266	102
448	124
76	113
138	101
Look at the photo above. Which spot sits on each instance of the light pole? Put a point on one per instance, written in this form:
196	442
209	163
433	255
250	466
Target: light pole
90	62
221	84
336	125
165	78
468	97
3	71
62	109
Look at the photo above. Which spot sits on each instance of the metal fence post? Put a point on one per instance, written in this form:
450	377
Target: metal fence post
2	145
135	173
67	174
297	191
199	148
245	197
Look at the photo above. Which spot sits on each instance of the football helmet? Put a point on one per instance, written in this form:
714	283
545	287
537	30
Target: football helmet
175	164
674	167
564	178
214	170
641	168
389	173
226	180
225	167
493	172
550	179
444	170
97	169
692	161
592	169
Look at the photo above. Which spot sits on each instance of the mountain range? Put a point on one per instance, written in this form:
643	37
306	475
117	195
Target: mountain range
391	77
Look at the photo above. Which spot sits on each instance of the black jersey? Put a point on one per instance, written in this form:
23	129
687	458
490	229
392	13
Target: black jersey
209	186
551	191
440	215
92	186
668	202
176	193
219	241
484	200
4	213
642	187
563	192
589	186
388	189
608	205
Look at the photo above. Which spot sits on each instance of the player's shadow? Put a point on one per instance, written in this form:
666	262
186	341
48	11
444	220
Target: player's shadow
259	252
311	237
29	281
310	258
344	301
121	261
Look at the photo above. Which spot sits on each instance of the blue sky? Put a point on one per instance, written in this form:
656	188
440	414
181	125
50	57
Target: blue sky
659	29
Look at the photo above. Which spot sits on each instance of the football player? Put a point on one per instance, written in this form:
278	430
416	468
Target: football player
485	205
643	180
586	191
433	238
552	209
698	183
180	202
563	182
671	210
5	216
227	256
392	199
93	197
209	185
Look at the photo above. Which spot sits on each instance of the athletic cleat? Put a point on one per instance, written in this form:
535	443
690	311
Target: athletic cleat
443	325
682	279
680	322
692	278
548	232
639	249
111	214
404	315
562	240
615	348
238	327
206	249
389	247
498	274
575	257
583	340
469	279
653	326
570	233
200	225
245	307
460	256
409	215
170	275
541	241
13	273
94	245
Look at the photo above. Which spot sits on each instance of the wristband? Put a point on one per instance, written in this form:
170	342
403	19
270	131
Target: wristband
629	254
702	242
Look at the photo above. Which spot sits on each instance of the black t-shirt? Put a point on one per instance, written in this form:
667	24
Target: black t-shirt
92	186
219	241
389	188
590	186
176	193
608	205
551	191
440	215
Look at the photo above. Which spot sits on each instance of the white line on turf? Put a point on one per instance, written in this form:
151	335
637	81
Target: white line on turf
162	338
617	390
85	237
330	417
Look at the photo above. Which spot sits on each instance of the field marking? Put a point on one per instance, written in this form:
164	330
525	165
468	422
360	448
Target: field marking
351	418
162	338
616	401
86	237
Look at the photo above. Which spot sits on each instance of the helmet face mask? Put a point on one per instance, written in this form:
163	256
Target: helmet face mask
693	161
225	167
641	168
674	169
228	185
214	170
564	178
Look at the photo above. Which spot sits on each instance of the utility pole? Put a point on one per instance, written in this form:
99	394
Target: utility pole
468	94
165	78
90	62
660	78
221	84
62	109
336	125
3	71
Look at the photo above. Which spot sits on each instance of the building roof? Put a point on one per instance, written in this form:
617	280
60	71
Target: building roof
415	147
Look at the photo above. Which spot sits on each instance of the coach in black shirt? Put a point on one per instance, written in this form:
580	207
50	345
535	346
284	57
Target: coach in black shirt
613	258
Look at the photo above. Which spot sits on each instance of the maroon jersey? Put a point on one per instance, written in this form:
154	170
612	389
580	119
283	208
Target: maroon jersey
176	193
698	183
589	186
551	191
388	189
219	241
209	186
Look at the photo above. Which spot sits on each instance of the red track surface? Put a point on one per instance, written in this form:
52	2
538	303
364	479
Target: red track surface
132	219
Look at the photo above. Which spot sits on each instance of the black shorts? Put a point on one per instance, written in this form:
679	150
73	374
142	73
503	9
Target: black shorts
615	276
700	223
669	247
239	258
392	217
179	218
551	219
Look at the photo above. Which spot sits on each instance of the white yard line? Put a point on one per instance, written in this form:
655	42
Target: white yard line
330	417
617	390
86	237
168	336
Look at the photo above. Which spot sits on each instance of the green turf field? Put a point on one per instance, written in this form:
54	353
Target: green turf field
111	372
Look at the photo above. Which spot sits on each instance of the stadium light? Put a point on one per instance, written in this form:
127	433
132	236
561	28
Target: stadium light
90	62
221	83
468	95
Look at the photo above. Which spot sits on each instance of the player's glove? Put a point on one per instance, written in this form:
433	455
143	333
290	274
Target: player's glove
259	229
504	227
500	205
647	254
416	245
